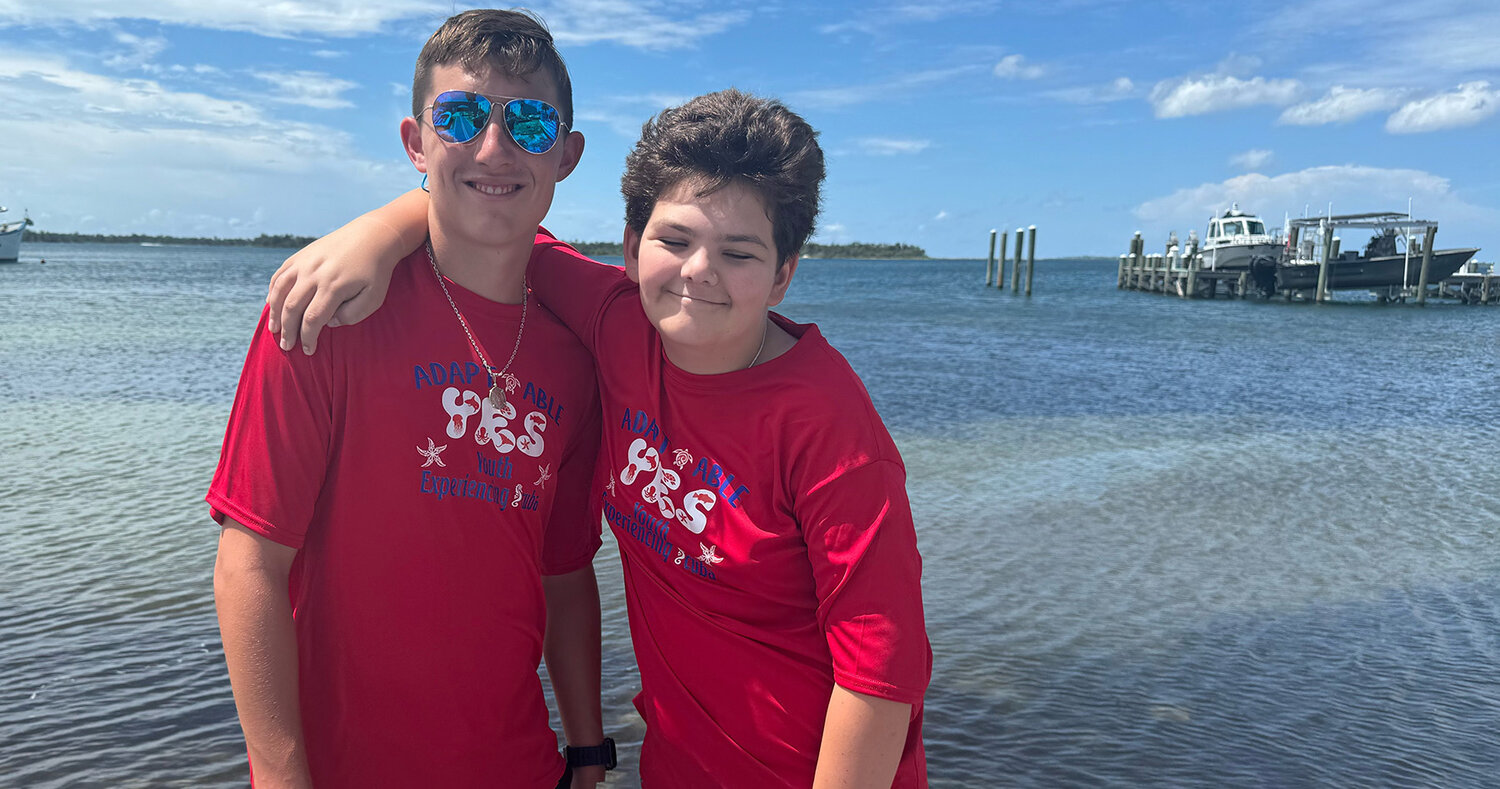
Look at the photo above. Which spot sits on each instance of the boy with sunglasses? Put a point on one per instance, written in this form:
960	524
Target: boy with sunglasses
405	524
770	563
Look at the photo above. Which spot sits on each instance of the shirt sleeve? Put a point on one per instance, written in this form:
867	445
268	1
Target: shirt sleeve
276	446
572	535
863	549
575	288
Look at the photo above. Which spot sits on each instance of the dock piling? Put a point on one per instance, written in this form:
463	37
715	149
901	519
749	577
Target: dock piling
1137	250
1426	264
1015	272
1030	256
1000	262
1321	294
989	264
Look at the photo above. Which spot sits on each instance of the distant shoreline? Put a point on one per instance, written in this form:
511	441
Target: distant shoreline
855	251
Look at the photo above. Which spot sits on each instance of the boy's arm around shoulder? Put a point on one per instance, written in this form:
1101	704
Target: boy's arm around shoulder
572	286
260	648
342	278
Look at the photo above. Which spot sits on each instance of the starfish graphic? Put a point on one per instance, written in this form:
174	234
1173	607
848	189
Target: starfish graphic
546	474
710	554
431	453
611	485
683	457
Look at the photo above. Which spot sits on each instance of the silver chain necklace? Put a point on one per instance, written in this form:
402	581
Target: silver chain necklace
497	394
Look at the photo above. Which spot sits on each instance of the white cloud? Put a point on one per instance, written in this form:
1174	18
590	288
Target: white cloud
1395	42
636	23
642	24
825	98
138	53
1015	67
883	146
941	215
307	88
1215	93
329	54
1469	104
205	164
875	20
1350	188
1251	160
624	114
280	18
1120	89
1340	105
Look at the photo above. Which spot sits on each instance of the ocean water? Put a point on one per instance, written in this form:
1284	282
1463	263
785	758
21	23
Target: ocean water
1166	543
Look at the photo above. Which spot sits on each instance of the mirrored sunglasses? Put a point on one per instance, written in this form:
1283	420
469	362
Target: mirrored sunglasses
459	116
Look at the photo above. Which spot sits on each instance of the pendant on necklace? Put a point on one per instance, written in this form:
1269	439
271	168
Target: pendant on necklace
497	397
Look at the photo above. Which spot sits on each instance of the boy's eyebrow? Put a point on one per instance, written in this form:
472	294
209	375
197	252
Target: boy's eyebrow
748	238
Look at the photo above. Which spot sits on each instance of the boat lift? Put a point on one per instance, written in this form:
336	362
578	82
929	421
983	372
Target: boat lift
1325	248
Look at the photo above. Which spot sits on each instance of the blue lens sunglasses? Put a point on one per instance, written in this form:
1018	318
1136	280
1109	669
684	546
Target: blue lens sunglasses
459	116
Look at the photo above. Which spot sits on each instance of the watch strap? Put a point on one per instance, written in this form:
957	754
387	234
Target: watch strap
603	753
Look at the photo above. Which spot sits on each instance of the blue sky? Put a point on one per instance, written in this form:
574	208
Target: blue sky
1088	118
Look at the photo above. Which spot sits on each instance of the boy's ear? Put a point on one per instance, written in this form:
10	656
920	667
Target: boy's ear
572	146
632	254
782	281
411	140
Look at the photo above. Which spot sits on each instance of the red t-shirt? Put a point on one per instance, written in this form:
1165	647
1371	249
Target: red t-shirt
425	519
766	537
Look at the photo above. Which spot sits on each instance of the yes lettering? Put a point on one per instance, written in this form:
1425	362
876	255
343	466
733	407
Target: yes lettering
644	464
469	411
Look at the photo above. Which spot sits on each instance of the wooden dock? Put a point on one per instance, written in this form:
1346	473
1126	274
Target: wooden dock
1476	284
1179	274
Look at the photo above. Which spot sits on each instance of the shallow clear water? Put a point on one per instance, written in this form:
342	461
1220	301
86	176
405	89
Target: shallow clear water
1166	542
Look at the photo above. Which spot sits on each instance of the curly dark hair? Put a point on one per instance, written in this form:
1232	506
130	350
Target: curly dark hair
514	43
730	137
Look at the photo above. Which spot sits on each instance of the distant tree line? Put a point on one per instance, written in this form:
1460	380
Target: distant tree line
599	249
846	251
862	251
283	241
856	251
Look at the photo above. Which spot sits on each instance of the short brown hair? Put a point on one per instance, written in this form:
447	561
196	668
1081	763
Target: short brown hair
730	137
514	43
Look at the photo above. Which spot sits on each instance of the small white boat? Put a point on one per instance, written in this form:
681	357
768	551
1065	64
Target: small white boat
10	238
1235	239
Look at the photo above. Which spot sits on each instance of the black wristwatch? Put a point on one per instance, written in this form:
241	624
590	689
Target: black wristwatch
603	753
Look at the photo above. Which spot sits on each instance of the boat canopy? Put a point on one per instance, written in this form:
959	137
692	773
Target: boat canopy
1379	220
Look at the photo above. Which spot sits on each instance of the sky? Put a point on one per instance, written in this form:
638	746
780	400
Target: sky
1091	119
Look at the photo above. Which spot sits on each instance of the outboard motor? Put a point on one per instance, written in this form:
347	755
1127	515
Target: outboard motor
1381	244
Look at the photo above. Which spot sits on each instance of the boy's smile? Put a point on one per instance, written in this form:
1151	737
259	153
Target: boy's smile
708	272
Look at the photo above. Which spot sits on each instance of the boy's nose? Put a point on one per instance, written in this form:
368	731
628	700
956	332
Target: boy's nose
495	143
698	267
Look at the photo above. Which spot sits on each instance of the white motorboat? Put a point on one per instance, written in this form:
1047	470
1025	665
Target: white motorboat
10	238
1235	239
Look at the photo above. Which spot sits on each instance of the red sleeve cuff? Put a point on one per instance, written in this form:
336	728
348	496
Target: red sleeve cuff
220	508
